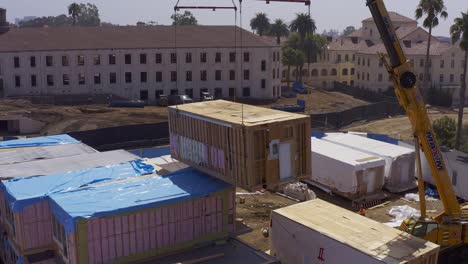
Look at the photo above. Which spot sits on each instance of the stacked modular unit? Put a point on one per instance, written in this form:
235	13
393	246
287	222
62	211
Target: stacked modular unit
251	147
350	173
28	219
399	161
319	232
142	218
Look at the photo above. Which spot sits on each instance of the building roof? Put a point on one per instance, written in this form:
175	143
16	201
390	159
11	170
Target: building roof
227	113
125	37
135	194
38	141
370	237
437	48
395	17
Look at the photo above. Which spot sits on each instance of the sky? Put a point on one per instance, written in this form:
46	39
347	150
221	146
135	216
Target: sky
328	14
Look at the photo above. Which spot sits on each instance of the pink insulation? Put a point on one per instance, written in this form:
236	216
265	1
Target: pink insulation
159	228
37	223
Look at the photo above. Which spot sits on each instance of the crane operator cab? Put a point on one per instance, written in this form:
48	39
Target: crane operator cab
426	229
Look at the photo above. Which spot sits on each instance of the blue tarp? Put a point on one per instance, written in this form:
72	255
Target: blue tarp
135	194
38	142
383	138
151	153
22	192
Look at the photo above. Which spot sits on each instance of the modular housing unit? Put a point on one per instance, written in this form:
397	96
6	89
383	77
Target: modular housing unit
320	232
348	172
399	161
26	215
251	147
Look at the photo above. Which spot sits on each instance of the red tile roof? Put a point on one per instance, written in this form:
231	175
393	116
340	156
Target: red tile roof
127	37
437	48
395	17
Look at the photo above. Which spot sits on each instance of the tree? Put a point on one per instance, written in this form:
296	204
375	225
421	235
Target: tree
187	18
289	55
314	45
432	9
74	10
445	130
89	15
459	33
260	23
303	24
348	30
294	41
299	61
333	33
279	29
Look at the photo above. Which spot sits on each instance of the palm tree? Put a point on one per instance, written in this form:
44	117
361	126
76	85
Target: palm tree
314	44
74	10
299	60
303	24
260	23
289	56
279	29
459	32
294	41
433	9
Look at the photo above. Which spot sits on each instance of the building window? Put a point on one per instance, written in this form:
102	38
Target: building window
354	57
352	71
334	72
128	77
232	75
188	76
158	58
346	57
128	58
232	92
16	62
97	78
441	78
81	79
246	56
263	67
50	80
143	95
218	75
65	61
49	61
452	64
81	61
246	92
218	93
359	60
188	57
218	57
274	74
339	58
368	62
452	78
421	63
313	73
189	92
112	77
246	75
143	60
442	64
203	75
33	80
173	76
158	93
263	83
232	57
97	60
203	58
17	81
66	79
344	72
143	77
380	77
368	76
174	92
32	61
112	59
173	58
323	72
359	76
60	236
380	64
158	76
430	63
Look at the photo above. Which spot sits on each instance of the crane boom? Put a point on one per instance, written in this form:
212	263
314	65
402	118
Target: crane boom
411	100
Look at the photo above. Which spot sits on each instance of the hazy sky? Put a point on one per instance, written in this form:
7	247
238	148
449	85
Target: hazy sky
328	14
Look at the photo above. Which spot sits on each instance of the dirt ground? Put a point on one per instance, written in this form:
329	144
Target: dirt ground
399	127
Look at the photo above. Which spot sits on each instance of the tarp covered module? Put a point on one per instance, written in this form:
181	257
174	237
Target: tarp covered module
64	164
399	161
38	142
351	173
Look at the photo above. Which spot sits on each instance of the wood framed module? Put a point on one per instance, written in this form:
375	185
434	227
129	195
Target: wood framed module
251	147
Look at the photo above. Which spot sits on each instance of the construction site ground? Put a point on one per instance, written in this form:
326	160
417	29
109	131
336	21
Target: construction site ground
255	212
63	119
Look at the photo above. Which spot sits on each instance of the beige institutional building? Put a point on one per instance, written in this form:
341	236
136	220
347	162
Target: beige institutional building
353	59
138	62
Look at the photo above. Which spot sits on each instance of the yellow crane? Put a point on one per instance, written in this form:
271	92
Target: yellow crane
450	228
